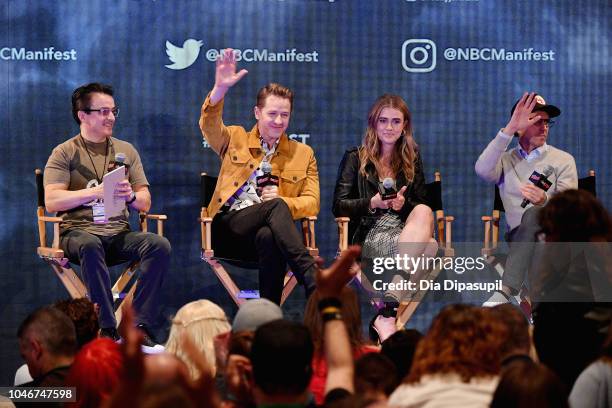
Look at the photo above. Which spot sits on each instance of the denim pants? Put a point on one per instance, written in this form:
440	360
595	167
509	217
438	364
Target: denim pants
95	252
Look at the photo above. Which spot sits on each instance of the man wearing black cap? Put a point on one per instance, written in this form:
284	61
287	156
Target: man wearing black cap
511	170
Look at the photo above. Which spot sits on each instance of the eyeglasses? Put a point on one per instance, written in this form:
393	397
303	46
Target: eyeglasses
104	111
546	122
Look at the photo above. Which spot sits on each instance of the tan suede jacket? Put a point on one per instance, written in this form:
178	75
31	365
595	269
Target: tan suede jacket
241	153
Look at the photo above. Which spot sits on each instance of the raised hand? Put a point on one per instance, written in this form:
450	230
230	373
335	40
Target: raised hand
225	73
523	115
330	281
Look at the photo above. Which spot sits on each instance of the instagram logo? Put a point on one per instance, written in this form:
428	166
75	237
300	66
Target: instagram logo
419	55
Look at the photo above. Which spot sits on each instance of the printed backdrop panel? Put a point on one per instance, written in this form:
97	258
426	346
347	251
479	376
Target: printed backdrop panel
459	64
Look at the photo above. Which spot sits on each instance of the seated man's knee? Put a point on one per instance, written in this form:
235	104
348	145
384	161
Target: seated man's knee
278	204
162	245
159	245
264	237
530	216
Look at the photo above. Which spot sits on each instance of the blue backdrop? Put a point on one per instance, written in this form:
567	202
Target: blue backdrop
460	65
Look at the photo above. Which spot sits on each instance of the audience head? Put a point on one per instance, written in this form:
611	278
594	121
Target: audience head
47	340
81	97
400	348
281	356
463	340
525	384
254	313
201	320
95	372
575	216
375	377
83	314
165	369
155	395
383	130
351	315
240	343
518	339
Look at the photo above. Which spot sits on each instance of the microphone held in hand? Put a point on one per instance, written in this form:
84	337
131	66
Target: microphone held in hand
540	180
120	160
266	179
387	189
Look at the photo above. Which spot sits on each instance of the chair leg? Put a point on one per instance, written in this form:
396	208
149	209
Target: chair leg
127	302
407	309
226	281
290	284
73	284
125	278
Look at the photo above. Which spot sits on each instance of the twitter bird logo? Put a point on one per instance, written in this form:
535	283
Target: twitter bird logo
183	57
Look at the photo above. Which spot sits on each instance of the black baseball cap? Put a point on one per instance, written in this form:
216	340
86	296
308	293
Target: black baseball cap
541	105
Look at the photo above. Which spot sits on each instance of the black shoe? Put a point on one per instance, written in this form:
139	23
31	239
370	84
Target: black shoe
111	333
148	339
389	310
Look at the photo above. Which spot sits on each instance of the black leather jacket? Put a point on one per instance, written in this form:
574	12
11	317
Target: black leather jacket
353	192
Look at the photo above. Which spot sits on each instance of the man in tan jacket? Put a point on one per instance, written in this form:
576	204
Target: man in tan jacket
252	219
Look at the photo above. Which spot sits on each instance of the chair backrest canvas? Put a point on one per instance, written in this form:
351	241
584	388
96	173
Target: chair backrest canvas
207	188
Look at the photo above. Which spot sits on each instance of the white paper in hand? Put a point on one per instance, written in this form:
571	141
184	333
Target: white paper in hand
113	206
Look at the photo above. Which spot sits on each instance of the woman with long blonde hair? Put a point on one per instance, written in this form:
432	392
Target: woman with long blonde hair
379	223
201	320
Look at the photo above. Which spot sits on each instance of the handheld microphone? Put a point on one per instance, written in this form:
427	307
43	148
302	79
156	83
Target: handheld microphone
387	189
119	161
267	179
540	180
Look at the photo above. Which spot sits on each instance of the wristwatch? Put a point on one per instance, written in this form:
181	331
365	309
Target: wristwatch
132	198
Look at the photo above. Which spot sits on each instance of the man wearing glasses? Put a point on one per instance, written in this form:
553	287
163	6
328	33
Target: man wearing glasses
511	171
73	188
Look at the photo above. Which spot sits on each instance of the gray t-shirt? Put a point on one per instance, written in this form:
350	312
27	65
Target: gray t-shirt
70	164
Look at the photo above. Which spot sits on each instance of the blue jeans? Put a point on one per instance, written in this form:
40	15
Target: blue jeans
95	252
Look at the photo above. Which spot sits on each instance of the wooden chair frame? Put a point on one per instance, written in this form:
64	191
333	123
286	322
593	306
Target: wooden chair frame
54	256
208	254
442	228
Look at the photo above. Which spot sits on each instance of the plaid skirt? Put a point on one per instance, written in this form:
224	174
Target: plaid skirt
381	239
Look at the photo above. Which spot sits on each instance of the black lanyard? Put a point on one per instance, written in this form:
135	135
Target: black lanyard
92	162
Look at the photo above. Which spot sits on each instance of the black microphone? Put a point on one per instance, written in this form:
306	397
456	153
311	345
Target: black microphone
266	179
540	180
387	189
118	162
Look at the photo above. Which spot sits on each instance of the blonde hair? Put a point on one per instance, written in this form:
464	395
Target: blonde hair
201	320
404	153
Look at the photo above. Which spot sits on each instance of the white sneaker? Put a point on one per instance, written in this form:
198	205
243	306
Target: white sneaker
498	298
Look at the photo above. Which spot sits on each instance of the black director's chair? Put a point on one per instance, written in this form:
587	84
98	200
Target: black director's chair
207	188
